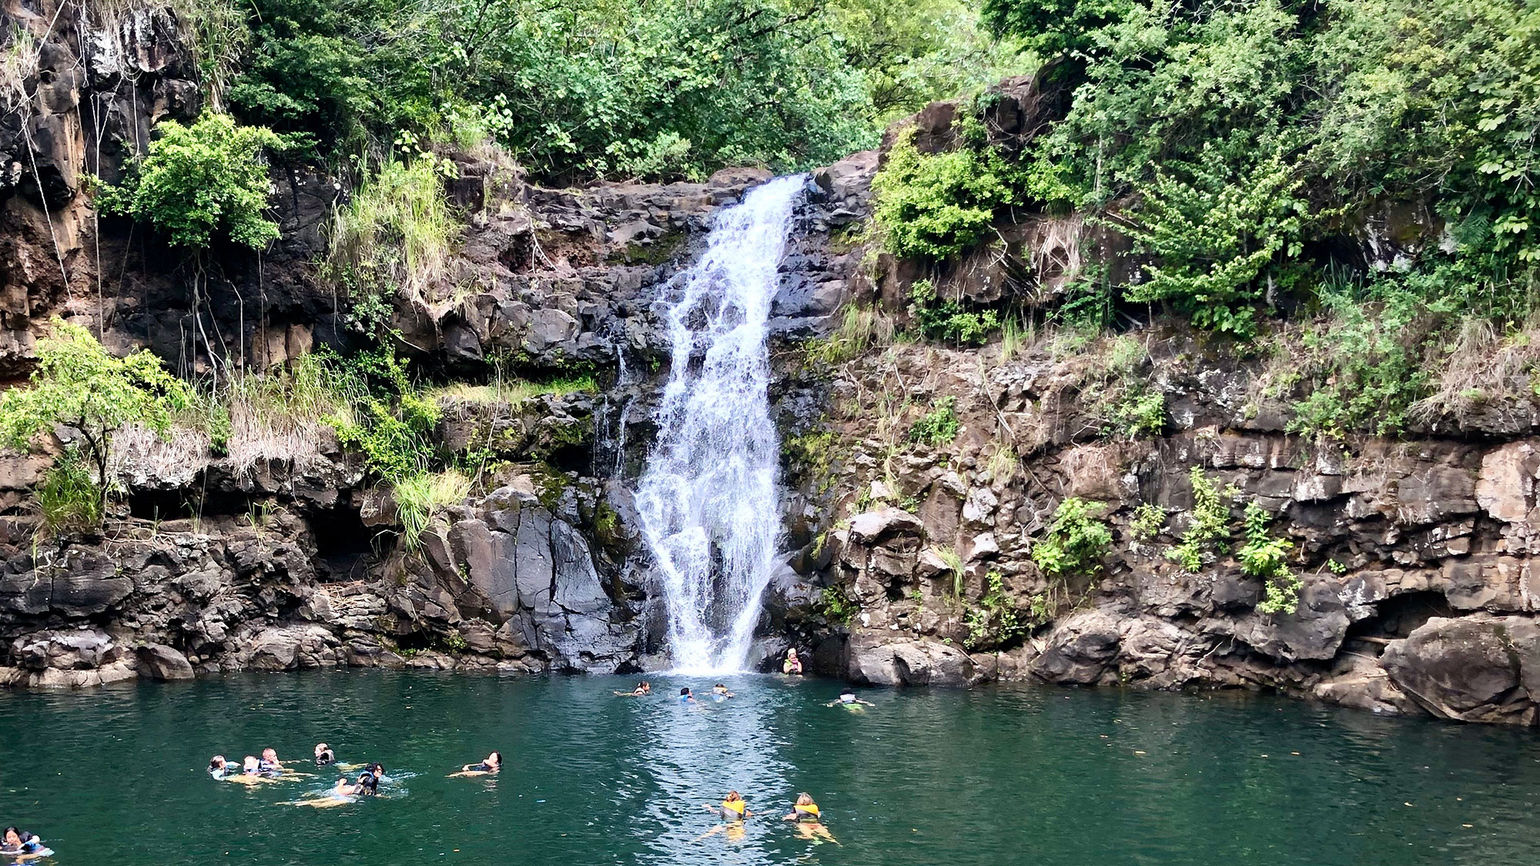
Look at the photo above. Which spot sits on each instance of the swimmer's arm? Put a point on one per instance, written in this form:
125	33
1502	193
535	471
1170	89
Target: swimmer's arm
791	817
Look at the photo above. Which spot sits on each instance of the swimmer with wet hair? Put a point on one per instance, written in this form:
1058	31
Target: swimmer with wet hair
219	768
270	765
642	690
324	755
489	765
732	810
685	697
21	845
719	692
809	821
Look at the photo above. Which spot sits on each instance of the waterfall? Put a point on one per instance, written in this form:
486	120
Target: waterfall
708	497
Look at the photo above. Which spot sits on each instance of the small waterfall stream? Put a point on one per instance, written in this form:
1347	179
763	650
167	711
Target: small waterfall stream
708	497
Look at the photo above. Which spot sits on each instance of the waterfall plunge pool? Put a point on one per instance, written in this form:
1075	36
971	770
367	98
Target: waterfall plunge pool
989	776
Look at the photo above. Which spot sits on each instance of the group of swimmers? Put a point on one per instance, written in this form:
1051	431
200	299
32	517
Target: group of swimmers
20	845
268	768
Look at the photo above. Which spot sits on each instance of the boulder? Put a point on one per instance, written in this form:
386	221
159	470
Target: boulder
885	658
1080	649
161	662
1478	668
874	526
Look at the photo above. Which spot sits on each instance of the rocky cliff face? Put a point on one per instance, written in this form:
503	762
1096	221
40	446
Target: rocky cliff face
279	556
1414	554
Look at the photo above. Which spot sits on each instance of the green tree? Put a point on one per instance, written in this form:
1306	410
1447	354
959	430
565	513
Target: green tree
80	387
201	181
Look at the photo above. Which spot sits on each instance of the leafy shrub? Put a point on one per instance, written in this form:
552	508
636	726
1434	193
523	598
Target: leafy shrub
1365	367
1076	541
939	426
1262	555
1148	520
201	181
934	206
993	622
1213	236
837	607
68	497
1137	413
383	415
946	320
1207	524
79	386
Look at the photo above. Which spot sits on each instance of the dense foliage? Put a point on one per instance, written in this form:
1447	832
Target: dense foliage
201	182
607	87
1234	143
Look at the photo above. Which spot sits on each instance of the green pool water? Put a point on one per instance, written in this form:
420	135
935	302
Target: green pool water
1031	775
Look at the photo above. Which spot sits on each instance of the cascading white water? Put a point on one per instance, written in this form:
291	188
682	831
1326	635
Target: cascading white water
708	498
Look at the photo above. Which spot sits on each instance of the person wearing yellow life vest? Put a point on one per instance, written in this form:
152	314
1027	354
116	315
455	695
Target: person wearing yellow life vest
809	822
733	807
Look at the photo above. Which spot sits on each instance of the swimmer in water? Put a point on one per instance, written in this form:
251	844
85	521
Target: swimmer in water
250	772
489	765
719	692
848	698
219	768
270	766
340	794
642	690
793	665
20	844
371	778
809	822
324	755
732	811
685	697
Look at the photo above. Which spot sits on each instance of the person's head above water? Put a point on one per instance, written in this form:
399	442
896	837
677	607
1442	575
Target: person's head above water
805	799
684	692
12	838
321	749
217	762
791	652
494	760
378	769
250	764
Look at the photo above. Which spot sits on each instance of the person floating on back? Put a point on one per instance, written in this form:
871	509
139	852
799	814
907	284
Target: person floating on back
848	698
793	665
489	765
733	809
809	821
685	697
219	768
642	690
720	693
324	755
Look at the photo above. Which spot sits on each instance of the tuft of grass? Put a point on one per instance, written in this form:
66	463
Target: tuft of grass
280	413
68	497
514	391
421	500
861	328
395	236
954	564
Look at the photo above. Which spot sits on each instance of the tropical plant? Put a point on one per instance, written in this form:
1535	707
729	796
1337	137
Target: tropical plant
1076	541
79	387
200	182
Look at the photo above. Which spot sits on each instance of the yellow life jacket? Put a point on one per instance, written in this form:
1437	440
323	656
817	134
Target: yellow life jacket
736	806
809	811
